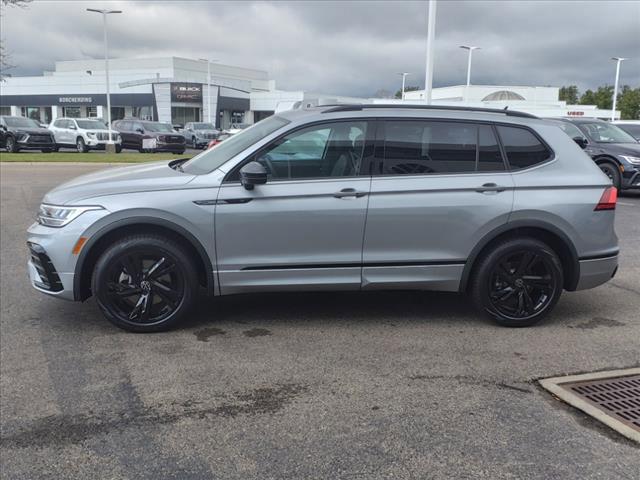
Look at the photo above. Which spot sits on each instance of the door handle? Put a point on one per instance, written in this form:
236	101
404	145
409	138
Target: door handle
349	192
490	187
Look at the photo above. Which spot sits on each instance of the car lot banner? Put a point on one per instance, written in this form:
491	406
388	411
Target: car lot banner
186	92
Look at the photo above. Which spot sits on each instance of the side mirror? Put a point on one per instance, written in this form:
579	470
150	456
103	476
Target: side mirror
253	173
581	141
139	130
73	127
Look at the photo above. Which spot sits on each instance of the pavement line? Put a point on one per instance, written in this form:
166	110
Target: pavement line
627	204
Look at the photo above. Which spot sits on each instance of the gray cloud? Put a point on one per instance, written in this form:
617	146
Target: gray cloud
351	48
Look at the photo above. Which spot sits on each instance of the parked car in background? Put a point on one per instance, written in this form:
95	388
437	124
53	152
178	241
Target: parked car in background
615	151
219	139
146	136
83	134
199	134
632	127
21	133
498	204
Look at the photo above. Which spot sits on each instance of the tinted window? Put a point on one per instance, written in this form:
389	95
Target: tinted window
631	129
603	132
421	147
124	126
522	147
328	150
489	156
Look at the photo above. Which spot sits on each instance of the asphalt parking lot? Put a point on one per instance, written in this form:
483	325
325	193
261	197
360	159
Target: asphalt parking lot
336	386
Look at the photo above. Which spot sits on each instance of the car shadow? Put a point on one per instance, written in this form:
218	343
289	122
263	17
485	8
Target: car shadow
334	307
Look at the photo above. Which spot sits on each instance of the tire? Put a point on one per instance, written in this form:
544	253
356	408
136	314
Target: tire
47	150
10	145
118	148
81	147
180	152
517	282
611	171
194	143
55	149
145	283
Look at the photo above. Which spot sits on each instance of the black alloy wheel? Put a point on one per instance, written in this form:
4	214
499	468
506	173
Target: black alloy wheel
194	142
10	145
518	282
612	172
145	283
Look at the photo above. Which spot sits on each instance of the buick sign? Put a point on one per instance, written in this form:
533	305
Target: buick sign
186	92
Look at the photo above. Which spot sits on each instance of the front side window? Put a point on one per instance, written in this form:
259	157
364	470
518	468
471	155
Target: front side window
424	147
91	124
328	150
522	147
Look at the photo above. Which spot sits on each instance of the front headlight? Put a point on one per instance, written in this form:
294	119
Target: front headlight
634	160
91	134
58	216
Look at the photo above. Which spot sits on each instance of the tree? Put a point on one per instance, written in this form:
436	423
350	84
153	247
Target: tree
4	55
602	97
569	94
406	89
629	103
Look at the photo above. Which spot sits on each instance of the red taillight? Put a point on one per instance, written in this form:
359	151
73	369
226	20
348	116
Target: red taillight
608	199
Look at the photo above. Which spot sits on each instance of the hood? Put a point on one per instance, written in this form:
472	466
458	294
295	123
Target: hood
136	178
32	131
206	132
617	148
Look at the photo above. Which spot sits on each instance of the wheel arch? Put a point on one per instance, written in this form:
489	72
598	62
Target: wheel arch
606	158
546	232
137	225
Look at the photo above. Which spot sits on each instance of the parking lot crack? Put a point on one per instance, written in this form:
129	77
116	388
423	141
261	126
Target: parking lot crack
469	380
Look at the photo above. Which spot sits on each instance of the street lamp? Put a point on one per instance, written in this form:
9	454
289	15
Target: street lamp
208	86
110	146
404	75
619	60
431	36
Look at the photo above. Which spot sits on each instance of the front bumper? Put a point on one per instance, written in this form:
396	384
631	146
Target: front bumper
594	272
100	144
43	274
631	179
29	143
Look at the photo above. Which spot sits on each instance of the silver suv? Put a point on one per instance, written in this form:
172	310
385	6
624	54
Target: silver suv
498	204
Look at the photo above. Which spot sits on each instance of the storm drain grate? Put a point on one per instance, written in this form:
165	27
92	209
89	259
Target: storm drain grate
611	397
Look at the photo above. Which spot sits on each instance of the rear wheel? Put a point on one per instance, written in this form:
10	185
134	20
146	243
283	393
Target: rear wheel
145	283
518	282
611	171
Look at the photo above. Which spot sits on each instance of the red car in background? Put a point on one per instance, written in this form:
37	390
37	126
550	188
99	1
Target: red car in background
216	141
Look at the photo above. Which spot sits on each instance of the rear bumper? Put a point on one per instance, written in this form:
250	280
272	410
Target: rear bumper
594	272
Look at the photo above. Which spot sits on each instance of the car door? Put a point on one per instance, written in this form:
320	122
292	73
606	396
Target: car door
439	187
124	128
303	229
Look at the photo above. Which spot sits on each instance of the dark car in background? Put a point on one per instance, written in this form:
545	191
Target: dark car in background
21	133
615	151
146	136
199	134
632	127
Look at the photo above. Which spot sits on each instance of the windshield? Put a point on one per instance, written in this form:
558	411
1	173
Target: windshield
91	124
602	132
19	122
158	127
217	156
203	126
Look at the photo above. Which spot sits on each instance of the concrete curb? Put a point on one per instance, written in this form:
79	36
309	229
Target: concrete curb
554	385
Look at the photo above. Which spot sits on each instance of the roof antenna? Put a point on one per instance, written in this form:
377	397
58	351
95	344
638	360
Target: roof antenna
505	108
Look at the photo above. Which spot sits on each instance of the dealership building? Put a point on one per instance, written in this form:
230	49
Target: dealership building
172	89
179	90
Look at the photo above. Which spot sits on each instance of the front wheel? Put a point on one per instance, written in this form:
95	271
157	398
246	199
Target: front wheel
10	145
194	143
81	146
118	148
145	283
611	171
518	282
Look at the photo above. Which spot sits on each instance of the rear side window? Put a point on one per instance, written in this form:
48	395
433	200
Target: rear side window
423	147
523	149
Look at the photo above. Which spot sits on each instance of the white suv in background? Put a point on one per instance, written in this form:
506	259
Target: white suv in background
83	134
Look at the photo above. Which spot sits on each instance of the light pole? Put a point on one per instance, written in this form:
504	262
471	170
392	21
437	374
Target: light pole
619	60
431	35
110	145
208	86
404	75
471	49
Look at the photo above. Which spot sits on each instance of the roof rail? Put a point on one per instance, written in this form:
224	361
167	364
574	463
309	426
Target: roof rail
362	106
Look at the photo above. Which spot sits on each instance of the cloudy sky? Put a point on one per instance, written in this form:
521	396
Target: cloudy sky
348	48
